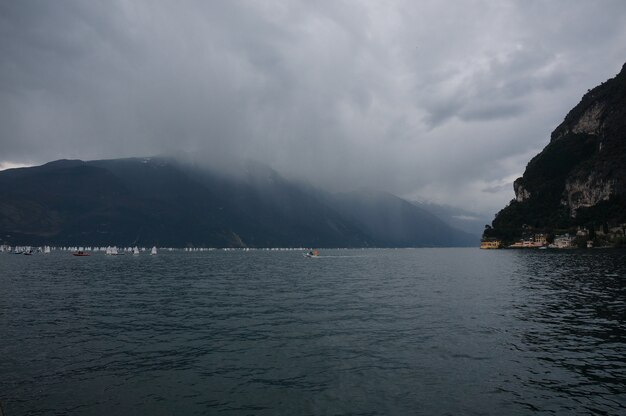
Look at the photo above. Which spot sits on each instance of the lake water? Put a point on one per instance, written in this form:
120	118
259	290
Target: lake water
354	332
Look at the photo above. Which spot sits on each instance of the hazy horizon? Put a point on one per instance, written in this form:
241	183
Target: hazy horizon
424	100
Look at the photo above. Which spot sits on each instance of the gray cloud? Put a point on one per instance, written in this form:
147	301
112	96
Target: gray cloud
419	98
496	189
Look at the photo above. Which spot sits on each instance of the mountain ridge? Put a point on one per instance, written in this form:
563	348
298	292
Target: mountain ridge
162	201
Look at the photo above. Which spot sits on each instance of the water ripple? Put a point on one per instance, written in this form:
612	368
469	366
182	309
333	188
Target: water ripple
369	332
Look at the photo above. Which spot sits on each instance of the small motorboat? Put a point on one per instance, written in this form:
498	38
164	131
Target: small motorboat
311	253
80	253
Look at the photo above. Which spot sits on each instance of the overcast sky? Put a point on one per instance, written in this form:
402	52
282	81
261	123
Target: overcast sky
445	101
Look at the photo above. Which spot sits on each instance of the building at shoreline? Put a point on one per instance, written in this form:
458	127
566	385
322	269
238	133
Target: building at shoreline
490	243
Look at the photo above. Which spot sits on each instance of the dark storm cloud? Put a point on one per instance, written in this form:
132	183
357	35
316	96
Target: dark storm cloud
419	98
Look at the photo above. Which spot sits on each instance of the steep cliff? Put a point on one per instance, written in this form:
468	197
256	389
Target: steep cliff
579	179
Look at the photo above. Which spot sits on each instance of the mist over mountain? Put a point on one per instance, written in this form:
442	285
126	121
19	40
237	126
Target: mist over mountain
459	218
416	98
165	202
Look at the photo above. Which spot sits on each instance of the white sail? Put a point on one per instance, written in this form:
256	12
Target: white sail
153	251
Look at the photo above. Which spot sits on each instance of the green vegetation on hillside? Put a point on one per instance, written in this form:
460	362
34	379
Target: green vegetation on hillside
590	143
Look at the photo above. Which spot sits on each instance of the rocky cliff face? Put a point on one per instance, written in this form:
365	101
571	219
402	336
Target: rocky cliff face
586	193
581	174
521	193
590	122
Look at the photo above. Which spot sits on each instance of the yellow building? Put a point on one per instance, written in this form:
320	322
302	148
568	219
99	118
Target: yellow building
490	244
540	238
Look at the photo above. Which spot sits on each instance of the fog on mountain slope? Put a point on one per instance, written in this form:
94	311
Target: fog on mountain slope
158	201
415	98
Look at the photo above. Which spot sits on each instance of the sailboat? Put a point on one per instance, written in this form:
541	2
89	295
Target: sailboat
153	251
135	251
46	250
112	251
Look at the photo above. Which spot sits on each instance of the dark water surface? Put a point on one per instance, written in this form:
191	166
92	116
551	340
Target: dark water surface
369	332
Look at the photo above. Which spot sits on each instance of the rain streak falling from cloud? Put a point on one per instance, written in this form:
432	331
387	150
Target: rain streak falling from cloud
445	102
